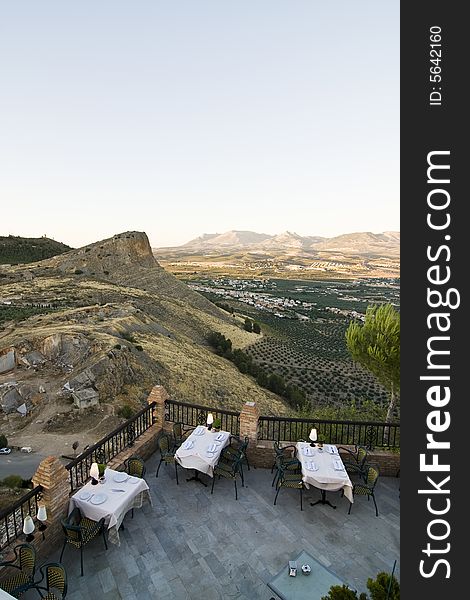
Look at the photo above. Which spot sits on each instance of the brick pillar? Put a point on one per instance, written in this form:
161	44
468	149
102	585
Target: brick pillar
55	480
249	427
158	394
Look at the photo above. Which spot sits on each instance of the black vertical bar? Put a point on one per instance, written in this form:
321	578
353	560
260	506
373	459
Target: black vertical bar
434	133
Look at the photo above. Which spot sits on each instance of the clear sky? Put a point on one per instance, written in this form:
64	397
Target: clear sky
186	117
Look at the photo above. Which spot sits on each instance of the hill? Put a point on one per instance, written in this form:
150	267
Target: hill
15	250
229	239
112	324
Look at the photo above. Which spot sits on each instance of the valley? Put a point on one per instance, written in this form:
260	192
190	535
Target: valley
304	324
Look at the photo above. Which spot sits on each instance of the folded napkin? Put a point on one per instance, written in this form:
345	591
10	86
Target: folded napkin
212	448
220	437
338	465
332	449
199	430
311	466
308	451
188	444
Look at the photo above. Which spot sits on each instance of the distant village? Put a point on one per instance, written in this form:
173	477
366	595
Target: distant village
254	292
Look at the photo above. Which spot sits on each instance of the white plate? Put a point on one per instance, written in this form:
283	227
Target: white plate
85	495
134	480
188	445
199	431
120	477
99	499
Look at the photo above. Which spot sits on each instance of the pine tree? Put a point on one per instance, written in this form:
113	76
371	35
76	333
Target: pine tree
376	346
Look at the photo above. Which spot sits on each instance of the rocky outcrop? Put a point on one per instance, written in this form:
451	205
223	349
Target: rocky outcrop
7	360
13	395
65	349
108	258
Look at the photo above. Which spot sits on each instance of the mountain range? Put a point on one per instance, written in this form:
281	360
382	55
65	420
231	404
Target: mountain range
360	243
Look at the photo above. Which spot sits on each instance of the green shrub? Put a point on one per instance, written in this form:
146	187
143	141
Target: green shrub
378	587
276	384
3	441
220	343
13	481
248	326
342	592
78	272
128	337
256	327
139	348
125	412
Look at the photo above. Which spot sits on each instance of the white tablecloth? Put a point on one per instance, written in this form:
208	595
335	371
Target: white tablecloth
197	456
117	504
326	477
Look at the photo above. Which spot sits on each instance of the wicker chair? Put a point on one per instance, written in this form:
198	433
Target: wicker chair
167	454
135	466
367	487
24	565
79	531
283	461
234	450
180	433
55	578
290	478
354	461
229	468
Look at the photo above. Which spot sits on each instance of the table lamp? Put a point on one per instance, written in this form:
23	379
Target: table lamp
313	436
94	473
210	420
41	517
28	528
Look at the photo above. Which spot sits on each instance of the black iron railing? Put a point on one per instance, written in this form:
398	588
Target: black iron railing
11	518
196	414
363	433
107	448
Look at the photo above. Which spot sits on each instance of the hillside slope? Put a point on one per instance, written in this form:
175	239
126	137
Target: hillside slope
15	250
118	324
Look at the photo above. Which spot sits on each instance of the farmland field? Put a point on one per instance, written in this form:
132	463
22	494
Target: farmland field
303	325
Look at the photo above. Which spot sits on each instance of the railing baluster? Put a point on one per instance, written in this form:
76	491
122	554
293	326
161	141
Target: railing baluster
329	431
9	517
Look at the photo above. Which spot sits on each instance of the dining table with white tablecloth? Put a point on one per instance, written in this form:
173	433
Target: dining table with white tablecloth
323	468
202	449
112	499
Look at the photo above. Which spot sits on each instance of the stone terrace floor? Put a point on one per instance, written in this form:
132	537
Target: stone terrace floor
190	544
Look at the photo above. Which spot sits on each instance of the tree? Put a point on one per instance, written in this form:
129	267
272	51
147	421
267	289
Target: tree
376	346
256	327
384	587
248	324
276	384
342	592
3	441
